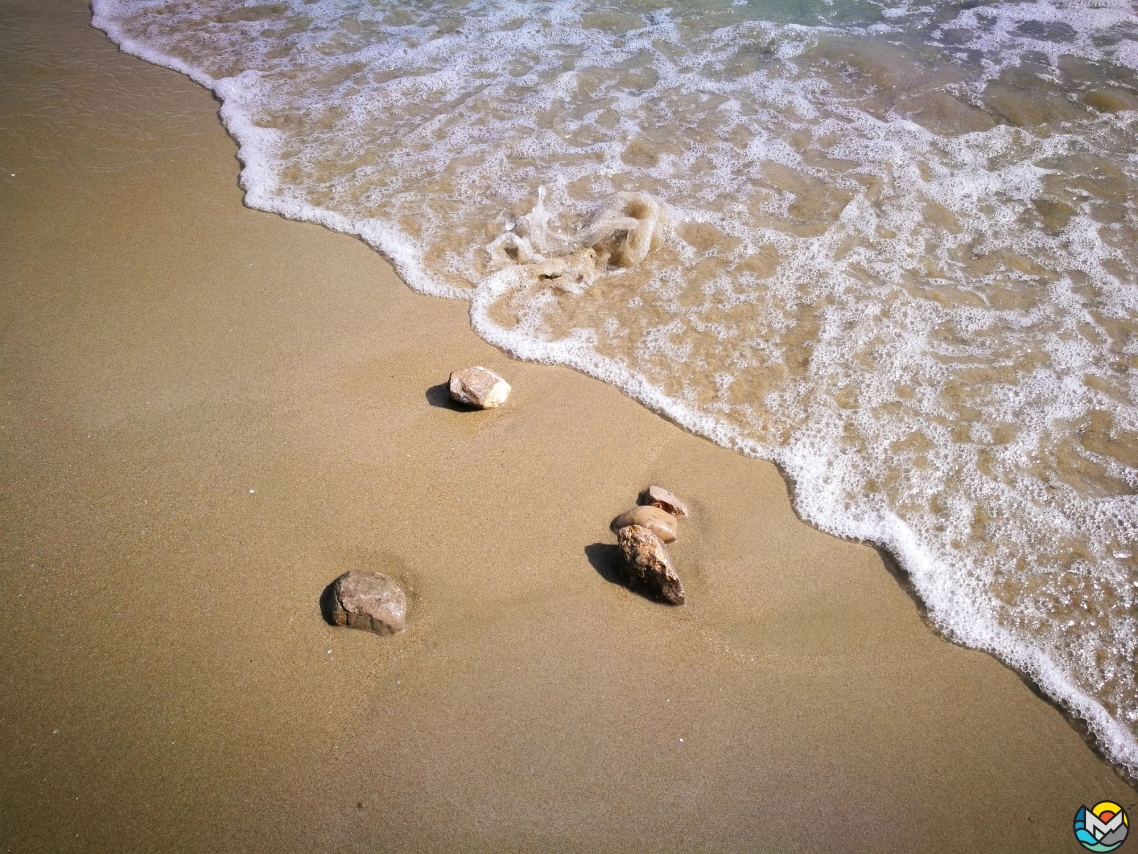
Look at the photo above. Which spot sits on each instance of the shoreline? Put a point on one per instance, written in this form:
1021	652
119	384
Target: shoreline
982	619
210	412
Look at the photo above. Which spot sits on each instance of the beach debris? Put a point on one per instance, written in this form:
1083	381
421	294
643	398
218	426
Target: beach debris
366	600
649	567
623	231
657	496
478	386
659	522
619	235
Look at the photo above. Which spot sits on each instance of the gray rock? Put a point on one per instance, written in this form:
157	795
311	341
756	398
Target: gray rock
479	386
659	522
367	600
649	568
657	496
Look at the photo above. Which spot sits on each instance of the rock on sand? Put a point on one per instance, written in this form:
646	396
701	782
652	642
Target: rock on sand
367	600
649	567
657	496
479	386
659	522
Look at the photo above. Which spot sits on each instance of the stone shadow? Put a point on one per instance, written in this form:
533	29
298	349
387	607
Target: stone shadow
608	561
439	396
326	604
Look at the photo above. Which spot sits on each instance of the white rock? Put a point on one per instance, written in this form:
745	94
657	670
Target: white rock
479	386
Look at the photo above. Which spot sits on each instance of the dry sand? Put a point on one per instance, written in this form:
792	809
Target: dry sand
208	413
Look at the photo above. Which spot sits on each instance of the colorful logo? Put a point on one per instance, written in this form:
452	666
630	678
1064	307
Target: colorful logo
1103	827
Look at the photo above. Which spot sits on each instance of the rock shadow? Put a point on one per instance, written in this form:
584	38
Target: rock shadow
326	604
608	560
439	396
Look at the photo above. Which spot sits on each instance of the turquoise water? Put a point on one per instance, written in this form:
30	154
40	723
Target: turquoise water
890	246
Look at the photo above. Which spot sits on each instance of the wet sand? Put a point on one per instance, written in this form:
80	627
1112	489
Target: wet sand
208	413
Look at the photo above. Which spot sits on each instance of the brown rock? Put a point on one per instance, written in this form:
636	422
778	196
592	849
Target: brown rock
478	386
367	600
659	522
657	496
649	567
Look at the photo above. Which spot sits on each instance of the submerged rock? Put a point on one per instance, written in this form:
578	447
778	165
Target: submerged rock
478	386
659	522
367	600
650	569
657	496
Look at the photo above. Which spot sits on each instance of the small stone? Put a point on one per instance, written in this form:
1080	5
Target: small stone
659	522
657	496
649	567
369	601
478	386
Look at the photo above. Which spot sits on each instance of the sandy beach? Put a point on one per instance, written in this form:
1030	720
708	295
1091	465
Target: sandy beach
208	413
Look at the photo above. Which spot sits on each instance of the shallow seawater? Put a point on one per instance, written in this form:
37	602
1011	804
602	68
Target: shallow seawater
890	246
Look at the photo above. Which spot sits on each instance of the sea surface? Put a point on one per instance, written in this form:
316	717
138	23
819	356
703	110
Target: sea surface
891	246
